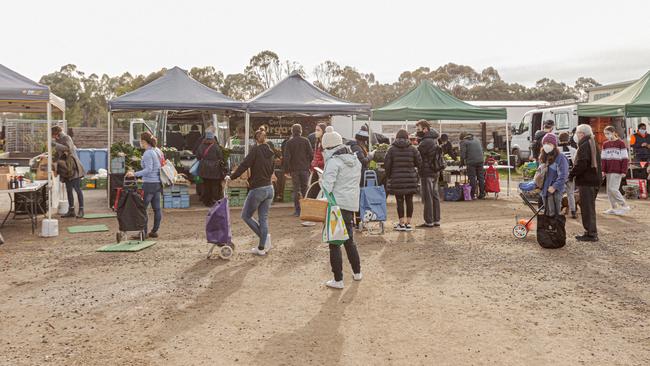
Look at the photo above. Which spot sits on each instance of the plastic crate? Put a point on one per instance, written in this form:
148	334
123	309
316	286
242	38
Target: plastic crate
87	183
101	183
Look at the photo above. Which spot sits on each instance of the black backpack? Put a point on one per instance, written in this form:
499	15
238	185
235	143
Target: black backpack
551	232
438	163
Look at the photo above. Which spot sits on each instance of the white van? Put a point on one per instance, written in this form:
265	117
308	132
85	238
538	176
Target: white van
565	117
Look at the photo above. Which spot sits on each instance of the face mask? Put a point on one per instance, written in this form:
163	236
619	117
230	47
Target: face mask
548	148
642	131
576	139
610	136
419	134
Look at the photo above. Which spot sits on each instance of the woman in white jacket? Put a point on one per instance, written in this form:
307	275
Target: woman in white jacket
341	178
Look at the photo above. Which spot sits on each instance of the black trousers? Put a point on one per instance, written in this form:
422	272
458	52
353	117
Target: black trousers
402	200
336	260
588	208
212	191
476	174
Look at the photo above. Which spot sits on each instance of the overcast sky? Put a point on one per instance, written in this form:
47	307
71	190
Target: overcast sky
524	40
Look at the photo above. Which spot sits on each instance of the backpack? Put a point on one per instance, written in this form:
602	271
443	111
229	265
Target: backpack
65	166
438	163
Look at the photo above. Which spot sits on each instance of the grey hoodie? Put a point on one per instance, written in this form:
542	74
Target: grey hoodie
471	151
341	176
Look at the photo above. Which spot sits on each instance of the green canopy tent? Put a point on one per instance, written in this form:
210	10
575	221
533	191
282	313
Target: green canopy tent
427	101
633	101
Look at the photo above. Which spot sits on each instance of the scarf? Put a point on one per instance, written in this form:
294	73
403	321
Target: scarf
592	146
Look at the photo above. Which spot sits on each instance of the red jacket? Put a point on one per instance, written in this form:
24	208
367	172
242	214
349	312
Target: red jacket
318	161
614	157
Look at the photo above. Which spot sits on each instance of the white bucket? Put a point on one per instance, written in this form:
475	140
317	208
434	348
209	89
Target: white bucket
63	207
50	228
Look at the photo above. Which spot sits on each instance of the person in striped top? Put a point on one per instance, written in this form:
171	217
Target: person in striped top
570	152
615	161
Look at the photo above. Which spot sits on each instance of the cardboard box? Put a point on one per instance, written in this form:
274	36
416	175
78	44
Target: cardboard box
7	169
4	181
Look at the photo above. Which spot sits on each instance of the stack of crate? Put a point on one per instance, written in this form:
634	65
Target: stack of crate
237	196
176	196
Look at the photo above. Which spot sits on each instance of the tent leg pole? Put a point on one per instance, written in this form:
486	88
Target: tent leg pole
369	132
247	128
49	160
508	153
109	122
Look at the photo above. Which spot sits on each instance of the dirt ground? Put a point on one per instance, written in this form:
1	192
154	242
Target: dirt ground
468	293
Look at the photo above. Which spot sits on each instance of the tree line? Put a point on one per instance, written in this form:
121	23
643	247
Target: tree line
86	95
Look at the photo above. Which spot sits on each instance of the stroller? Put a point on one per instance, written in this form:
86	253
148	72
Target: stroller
372	204
217	228
131	213
529	193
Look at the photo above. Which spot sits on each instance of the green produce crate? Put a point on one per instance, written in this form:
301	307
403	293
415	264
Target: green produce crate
101	183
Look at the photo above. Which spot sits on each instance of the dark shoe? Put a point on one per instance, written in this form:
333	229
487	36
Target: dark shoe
296	214
574	215
153	234
481	197
436	224
70	213
425	226
587	238
80	214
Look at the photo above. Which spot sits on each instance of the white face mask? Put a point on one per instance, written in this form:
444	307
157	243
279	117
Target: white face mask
610	136
576	139
642	131
548	148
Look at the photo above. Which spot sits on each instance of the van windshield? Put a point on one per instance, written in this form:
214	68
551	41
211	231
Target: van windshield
524	125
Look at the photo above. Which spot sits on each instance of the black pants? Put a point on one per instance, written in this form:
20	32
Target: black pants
336	260
476	175
299	179
212	191
431	199
74	184
401	201
588	208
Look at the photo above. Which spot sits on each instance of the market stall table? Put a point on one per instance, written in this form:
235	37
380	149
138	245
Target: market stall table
32	197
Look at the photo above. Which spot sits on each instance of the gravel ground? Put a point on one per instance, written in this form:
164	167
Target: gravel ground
468	293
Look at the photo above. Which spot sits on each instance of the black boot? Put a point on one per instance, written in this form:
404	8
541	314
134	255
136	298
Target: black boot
70	212
80	214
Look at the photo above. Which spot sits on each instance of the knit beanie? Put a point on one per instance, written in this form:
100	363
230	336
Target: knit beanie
550	138
331	138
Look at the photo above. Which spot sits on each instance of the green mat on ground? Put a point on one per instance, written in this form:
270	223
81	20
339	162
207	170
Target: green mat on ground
127	246
87	229
99	215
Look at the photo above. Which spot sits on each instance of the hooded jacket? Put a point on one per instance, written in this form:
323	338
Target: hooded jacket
341	177
427	148
471	151
400	163
260	161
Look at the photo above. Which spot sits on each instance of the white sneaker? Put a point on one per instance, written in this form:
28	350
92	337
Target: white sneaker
334	284
626	208
357	276
267	245
610	211
620	212
259	252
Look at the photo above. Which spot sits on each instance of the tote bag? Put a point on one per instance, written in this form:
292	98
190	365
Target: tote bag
334	230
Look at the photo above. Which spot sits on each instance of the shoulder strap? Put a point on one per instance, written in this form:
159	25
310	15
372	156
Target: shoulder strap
205	153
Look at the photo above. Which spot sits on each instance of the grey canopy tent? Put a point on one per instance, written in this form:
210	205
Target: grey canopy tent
19	94
295	95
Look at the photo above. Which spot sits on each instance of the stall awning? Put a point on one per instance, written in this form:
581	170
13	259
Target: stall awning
429	102
175	90
633	101
19	94
294	94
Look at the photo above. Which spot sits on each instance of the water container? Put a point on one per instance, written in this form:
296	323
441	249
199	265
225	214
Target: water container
86	156
49	228
101	159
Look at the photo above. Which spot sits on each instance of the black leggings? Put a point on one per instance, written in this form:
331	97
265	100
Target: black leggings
401	200
336	260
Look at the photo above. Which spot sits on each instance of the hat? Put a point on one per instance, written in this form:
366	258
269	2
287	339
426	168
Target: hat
361	134
550	138
331	138
209	135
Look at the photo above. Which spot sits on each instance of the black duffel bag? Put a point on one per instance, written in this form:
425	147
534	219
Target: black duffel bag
551	231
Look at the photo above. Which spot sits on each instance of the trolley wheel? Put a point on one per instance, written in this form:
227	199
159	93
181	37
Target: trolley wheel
226	252
118	236
520	231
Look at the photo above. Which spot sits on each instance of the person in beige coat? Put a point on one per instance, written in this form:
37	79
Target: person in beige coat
69	168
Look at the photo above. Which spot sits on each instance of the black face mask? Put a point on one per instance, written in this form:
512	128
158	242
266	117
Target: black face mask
419	134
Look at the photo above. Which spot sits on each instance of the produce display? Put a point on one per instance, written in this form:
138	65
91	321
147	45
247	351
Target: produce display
132	155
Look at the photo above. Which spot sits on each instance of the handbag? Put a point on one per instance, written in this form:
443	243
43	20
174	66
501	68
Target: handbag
168	172
334	230
551	231
453	194
311	209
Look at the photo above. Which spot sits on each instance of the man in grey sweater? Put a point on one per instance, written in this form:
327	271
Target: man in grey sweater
471	156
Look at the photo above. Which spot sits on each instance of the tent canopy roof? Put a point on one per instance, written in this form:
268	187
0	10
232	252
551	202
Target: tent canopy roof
19	94
427	101
633	101
175	90
294	94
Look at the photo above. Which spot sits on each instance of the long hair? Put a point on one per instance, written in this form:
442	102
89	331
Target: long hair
548	158
319	140
149	138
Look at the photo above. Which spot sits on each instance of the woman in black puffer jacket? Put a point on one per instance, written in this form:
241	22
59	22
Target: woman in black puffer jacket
401	162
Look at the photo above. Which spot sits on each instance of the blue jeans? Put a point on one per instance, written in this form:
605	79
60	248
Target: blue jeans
74	184
258	199
152	195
